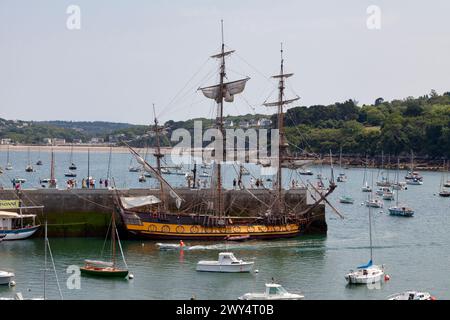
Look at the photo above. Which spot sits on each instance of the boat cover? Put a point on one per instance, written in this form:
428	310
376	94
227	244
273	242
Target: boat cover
100	263
134	202
368	265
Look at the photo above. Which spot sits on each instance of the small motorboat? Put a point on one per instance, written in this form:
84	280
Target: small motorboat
365	274
8	167
447	184
227	263
73	167
306	172
134	169
411	295
414	182
382	190
444	193
388	195
6	277
39	163
403	211
366	188
399	186
29	168
237	238
374	203
142	178
273	292
346	199
148	175
70	174
342	177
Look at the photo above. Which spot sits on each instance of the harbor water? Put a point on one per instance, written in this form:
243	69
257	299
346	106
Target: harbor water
415	251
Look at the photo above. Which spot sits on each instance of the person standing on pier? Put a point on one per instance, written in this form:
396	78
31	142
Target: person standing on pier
234	184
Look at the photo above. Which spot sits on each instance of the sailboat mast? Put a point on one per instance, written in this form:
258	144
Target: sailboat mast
398	177
370	233
45	258
219	125
52	168
113	239
88	177
158	155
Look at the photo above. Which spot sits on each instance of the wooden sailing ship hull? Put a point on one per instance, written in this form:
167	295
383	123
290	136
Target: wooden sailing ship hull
174	227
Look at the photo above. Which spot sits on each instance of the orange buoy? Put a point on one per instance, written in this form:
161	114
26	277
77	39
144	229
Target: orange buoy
433	298
387	277
181	243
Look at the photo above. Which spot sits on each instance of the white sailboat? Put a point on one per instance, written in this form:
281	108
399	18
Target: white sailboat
342	176
366	187
368	273
8	164
400	209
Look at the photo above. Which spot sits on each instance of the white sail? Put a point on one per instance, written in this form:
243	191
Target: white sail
148	168
229	90
277	103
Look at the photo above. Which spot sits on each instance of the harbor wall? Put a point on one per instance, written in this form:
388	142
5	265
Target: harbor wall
87	212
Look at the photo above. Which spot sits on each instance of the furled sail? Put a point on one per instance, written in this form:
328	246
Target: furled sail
229	90
277	103
153	171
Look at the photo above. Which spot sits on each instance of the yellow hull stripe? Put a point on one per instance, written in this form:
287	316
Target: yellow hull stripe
197	230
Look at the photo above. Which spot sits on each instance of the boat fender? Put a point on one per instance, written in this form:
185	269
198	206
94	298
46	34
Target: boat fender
131	276
387	277
256	271
12	283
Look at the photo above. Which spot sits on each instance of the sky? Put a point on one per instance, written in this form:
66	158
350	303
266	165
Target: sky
130	54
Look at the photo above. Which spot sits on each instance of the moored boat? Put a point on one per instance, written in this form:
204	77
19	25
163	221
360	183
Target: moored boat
273	292
6	277
411	295
403	211
17	226
346	199
227	263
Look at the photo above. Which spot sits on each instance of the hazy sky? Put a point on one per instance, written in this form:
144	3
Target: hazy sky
129	54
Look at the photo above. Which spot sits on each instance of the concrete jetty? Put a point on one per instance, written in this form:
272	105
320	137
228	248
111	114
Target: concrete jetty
87	212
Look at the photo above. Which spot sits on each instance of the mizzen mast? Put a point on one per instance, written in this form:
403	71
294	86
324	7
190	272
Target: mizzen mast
282	142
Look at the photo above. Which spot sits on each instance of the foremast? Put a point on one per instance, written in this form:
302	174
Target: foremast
158	155
282	142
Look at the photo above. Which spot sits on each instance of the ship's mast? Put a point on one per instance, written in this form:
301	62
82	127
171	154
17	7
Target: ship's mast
282	147
158	155
219	126
222	92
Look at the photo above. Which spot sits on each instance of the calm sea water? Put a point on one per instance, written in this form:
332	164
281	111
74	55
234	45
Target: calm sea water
415	251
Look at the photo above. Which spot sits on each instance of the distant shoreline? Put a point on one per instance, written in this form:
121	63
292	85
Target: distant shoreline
76	148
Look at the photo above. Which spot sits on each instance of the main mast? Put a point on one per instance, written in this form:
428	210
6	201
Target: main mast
282	143
222	92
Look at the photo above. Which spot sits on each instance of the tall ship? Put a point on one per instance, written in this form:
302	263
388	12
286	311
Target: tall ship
150	216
